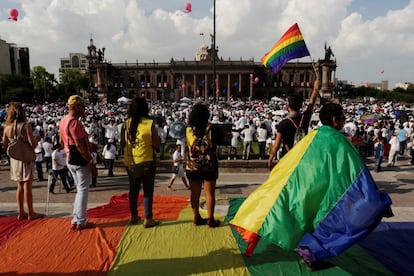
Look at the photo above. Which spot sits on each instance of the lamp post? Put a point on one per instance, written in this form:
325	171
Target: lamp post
214	50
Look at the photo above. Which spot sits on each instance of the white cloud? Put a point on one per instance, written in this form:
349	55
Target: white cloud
158	30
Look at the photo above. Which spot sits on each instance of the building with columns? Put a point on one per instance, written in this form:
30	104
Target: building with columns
170	81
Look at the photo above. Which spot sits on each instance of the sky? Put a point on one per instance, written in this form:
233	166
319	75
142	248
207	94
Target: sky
372	40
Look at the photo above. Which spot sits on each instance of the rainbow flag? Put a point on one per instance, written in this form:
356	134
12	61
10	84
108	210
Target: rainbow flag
291	45
320	196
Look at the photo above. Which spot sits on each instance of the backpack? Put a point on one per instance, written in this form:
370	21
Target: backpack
201	156
300	131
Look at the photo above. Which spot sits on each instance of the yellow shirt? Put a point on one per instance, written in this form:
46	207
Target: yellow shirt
141	149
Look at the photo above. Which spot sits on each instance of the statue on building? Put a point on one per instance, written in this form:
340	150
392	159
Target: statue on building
328	53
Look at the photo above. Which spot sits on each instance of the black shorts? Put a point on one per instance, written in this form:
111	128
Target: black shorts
201	176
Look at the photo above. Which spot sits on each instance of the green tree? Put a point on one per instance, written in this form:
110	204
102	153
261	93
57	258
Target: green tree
73	82
16	88
43	83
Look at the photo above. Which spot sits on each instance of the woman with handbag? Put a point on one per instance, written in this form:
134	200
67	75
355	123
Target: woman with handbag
140	140
15	128
79	159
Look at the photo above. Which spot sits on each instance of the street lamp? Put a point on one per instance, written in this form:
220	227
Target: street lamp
214	50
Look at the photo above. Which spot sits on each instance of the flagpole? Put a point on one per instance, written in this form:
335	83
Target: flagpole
314	68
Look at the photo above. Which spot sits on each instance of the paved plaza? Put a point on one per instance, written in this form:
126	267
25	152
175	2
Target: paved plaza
239	181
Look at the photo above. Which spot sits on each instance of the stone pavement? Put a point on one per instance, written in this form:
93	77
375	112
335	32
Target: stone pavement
238	178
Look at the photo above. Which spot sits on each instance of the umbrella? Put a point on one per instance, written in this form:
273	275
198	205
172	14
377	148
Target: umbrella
370	121
123	100
177	130
185	99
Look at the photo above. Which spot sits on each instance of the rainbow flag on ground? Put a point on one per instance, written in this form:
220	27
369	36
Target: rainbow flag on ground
319	196
291	45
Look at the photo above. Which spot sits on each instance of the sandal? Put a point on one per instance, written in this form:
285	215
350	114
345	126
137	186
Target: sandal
22	216
35	216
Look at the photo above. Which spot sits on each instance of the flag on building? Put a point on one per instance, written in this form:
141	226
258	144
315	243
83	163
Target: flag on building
319	196
291	45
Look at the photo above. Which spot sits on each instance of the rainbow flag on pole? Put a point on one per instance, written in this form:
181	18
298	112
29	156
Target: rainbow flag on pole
319	196
291	45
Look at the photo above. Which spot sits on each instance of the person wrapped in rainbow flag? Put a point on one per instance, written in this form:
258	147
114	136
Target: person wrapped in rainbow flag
318	200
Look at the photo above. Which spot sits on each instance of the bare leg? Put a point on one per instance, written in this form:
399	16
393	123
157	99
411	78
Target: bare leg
210	190
20	198
29	201
28	196
195	187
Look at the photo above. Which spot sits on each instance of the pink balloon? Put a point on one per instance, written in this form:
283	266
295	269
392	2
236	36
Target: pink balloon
382	71
187	7
256	80
13	13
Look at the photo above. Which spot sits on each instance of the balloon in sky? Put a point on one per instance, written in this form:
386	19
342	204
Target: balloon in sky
13	13
382	71
187	7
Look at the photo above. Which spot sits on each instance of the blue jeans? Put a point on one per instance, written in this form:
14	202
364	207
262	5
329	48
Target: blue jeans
82	178
147	181
110	166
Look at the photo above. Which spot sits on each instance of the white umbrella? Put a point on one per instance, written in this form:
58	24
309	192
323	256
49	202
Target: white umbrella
185	99
123	100
277	99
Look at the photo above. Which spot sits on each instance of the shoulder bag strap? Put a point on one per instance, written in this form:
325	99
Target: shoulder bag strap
301	120
15	130
293	122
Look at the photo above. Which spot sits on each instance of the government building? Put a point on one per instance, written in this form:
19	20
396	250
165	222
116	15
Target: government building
235	79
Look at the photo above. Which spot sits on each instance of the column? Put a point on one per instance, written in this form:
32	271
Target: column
195	87
239	86
205	87
228	87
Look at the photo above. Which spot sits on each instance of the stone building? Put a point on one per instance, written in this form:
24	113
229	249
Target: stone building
169	81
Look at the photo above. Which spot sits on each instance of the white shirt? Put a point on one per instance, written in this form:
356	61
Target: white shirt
58	159
394	143
261	134
109	152
47	147
111	132
235	135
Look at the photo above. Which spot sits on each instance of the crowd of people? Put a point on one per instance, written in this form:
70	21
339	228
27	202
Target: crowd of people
138	131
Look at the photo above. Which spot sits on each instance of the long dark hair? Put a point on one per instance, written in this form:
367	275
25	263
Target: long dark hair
198	119
137	110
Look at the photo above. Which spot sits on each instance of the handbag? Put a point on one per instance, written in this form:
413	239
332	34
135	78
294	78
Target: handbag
18	148
75	157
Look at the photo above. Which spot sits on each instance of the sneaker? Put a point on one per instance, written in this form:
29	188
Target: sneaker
73	227
150	223
87	225
134	219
